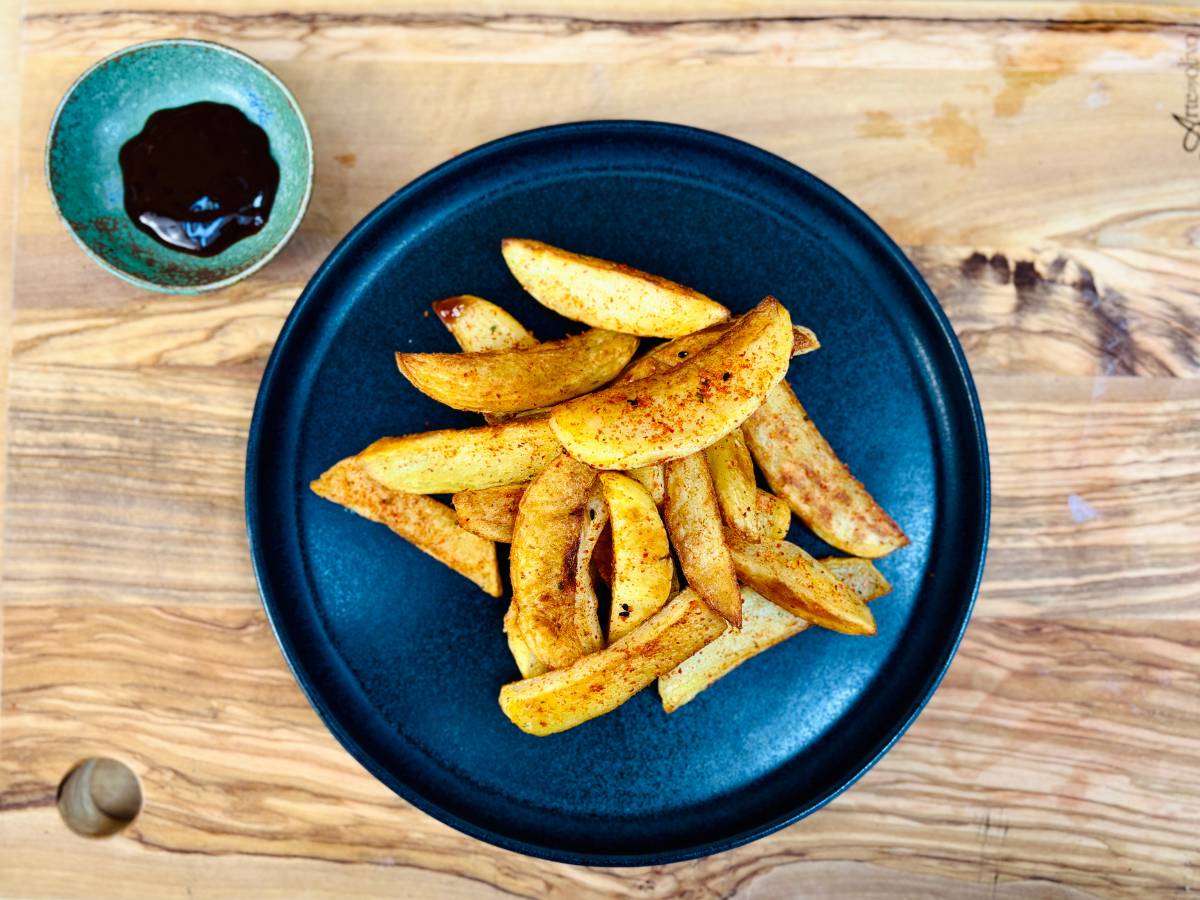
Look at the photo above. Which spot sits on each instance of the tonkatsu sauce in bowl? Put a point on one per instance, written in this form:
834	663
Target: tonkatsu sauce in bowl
180	165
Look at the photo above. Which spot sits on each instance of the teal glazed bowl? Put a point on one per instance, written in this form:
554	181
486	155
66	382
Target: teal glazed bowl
109	104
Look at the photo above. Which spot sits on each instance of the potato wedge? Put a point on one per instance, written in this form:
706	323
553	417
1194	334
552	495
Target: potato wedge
787	576
557	620
600	682
422	521
653	480
738	495
860	575
801	467
511	381
672	353
593	546
479	325
606	294
675	413
490	512
527	663
763	626
449	461
641	579
777	514
804	340
694	523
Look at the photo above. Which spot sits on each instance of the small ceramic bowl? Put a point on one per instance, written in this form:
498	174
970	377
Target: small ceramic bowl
110	102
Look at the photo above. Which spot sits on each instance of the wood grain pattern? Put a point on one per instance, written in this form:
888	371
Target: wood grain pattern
619	12
1088	192
9	116
1024	155
566	34
1040	726
1096	497
126	486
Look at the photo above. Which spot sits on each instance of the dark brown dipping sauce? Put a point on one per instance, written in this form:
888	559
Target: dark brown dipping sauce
199	178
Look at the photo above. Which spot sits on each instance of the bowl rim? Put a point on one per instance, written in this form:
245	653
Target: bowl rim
143	282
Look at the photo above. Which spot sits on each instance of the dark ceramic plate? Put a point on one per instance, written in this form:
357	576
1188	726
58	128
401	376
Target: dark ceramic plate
403	658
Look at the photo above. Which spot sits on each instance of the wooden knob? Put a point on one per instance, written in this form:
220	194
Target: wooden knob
99	797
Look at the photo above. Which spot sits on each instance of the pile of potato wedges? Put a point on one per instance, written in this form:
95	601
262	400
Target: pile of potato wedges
642	547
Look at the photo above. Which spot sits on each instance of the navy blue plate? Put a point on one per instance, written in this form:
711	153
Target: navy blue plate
403	659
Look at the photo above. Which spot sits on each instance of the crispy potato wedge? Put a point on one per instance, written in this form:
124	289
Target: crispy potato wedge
777	514
595	548
527	663
480	325
860	575
742	505
787	576
641	579
449	461
511	381
593	544
801	467
686	409
557	620
422	521
672	353
653	480
490	512
804	340
694	523
763	626
608	295
600	682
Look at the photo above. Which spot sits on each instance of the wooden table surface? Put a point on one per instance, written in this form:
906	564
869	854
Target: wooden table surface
1023	153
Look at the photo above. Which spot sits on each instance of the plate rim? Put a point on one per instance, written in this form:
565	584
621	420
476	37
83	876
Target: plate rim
597	127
